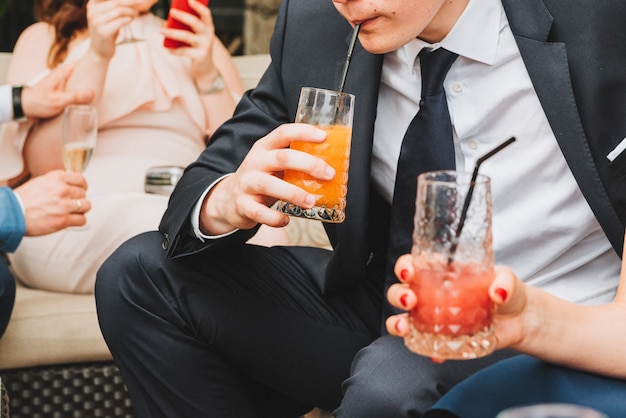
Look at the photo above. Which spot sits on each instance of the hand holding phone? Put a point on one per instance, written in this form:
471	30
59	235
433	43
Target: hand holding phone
176	24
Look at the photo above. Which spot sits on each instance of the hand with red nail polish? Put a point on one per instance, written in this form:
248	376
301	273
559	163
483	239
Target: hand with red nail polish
502	293
534	322
509	295
404	268
402	297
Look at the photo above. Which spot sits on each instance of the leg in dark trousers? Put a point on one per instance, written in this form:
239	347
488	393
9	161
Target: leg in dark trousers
389	381
7	294
238	332
244	332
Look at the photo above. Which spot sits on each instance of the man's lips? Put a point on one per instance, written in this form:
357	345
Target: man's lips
363	22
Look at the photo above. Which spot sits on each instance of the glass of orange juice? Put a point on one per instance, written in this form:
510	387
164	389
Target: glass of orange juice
453	271
333	112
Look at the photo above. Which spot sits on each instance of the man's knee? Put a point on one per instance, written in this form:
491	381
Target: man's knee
124	260
388	380
118	279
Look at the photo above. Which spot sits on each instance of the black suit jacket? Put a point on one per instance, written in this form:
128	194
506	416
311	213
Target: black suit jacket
575	53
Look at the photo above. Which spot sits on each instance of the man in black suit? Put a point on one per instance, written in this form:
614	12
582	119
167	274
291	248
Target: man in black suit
202	324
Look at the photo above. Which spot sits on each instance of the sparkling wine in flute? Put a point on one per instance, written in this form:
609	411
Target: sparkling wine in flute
176	24
80	130
76	156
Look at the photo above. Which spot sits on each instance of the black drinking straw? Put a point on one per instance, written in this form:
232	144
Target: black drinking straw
470	191
346	64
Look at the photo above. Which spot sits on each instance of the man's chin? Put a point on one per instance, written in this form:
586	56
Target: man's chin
378	47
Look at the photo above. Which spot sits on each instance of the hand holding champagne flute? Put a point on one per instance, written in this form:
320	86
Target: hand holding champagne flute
173	23
79	133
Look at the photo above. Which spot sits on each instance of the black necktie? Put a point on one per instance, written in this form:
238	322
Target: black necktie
427	145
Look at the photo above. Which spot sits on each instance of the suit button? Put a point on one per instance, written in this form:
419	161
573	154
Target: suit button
166	241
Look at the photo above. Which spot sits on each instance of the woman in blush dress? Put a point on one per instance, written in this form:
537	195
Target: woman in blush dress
156	107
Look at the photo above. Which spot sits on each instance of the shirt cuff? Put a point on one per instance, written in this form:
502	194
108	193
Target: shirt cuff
195	215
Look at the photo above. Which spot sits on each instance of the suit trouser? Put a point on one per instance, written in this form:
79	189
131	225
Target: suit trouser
244	332
7	294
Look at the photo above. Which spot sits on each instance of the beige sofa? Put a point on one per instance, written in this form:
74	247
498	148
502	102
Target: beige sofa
53	359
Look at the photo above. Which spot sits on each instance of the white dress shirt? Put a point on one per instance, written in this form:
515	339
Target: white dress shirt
542	226
6	103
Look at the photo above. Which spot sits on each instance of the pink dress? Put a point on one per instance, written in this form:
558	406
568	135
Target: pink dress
150	115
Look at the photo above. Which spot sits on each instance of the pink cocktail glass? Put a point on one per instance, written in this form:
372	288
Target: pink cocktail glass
453	318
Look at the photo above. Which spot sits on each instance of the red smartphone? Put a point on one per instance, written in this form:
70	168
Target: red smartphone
175	24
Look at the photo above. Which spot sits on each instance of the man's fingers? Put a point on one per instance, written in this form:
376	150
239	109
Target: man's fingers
82	96
285	134
80	205
60	76
73	179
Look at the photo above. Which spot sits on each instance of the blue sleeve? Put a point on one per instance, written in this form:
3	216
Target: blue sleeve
12	222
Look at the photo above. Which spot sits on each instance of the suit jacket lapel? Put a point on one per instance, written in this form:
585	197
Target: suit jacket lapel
548	69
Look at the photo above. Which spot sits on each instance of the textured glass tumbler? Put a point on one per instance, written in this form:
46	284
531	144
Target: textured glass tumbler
333	112
551	410
453	318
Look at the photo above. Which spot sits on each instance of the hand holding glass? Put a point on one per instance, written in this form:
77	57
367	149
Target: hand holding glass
333	112
176	24
78	135
453	317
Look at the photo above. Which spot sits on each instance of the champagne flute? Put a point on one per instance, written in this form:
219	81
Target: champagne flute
80	130
79	133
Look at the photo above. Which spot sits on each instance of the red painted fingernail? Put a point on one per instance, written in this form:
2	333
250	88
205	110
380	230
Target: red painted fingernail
397	326
403	299
404	274
501	293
